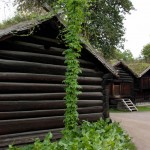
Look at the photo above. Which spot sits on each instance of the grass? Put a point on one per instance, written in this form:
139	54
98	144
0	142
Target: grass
115	110
143	108
23	17
140	109
18	18
138	67
131	146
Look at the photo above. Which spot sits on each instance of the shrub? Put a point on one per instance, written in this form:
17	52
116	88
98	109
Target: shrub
100	135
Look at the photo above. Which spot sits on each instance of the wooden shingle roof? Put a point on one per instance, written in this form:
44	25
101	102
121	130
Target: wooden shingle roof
28	25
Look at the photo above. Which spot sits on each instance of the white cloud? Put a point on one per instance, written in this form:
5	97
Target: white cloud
138	27
6	9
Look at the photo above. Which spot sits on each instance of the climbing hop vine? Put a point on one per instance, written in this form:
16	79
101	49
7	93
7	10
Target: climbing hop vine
76	12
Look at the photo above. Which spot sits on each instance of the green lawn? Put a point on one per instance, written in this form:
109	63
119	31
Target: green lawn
140	109
143	108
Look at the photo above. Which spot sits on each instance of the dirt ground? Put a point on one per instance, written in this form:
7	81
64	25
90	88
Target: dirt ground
137	124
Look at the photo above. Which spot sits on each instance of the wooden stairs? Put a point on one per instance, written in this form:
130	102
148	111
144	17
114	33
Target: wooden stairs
129	104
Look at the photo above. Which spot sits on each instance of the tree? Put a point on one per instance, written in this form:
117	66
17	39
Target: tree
106	25
127	56
117	54
103	28
146	52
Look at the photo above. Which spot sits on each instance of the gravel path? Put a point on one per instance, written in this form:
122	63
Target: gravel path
137	124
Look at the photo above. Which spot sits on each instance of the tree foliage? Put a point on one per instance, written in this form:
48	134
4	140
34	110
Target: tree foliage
104	28
146	52
126	55
106	24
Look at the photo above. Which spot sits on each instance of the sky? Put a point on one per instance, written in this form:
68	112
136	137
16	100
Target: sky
6	9
137	24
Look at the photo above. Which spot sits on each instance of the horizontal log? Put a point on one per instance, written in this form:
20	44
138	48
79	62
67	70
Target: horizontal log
43	40
41	58
32	124
43	123
44	78
124	74
43	105
31	47
122	71
90	80
126	79
27	137
40	40
121	81
32	57
45	96
46	113
7	87
31	67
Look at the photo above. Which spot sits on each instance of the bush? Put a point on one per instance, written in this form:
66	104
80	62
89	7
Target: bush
100	135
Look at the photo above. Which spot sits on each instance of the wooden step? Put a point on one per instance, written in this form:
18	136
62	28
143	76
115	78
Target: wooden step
129	105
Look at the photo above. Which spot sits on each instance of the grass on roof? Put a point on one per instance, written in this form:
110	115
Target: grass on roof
138	68
21	17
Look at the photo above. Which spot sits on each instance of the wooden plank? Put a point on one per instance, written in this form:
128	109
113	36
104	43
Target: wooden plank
32	57
32	124
31	67
124	74
43	105
41	58
31	114
43	40
32	78
23	45
45	96
46	113
31	47
43	123
46	41
44	78
27	137
11	87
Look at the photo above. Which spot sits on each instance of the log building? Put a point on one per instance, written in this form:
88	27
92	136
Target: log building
144	86
31	89
125	86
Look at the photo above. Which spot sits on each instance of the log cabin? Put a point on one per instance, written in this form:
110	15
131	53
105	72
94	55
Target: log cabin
144	86
124	86
31	89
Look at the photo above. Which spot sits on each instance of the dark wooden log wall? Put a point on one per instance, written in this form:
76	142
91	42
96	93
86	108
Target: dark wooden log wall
144	85
124	75
123	86
31	89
